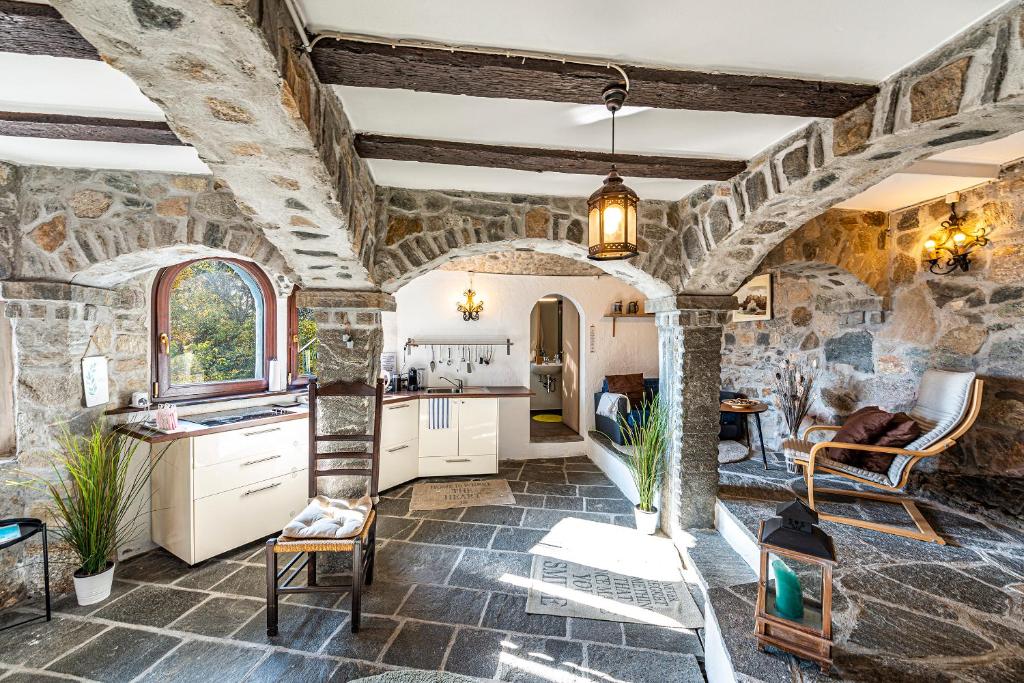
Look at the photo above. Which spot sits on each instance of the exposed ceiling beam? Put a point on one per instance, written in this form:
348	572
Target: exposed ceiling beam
534	159
61	127
32	29
346	62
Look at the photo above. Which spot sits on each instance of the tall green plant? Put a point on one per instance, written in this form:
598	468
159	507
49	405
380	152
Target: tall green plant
93	491
647	438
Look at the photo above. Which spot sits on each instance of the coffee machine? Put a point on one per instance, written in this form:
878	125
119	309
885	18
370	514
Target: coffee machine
416	379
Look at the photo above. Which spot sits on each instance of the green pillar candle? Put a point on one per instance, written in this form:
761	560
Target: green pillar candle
789	599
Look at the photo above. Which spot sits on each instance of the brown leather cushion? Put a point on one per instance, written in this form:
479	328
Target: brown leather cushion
862	427
901	431
630	385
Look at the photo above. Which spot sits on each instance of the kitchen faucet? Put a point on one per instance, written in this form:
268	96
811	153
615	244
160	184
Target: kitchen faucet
457	383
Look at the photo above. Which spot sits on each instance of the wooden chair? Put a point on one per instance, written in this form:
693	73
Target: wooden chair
947	405
362	547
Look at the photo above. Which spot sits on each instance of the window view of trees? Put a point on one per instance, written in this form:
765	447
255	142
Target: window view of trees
216	324
308	342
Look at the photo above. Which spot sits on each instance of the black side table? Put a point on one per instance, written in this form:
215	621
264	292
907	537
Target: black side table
755	409
30	527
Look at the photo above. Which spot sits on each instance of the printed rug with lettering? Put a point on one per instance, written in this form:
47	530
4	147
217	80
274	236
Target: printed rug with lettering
567	589
461	494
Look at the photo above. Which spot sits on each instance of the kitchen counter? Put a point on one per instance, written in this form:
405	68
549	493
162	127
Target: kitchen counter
468	392
153	436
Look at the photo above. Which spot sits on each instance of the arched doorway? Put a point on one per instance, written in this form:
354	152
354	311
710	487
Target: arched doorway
555	368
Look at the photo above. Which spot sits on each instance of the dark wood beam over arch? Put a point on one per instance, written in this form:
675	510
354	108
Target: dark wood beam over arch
32	29
344	62
61	127
534	159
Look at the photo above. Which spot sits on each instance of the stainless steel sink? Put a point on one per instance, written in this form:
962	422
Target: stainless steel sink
443	390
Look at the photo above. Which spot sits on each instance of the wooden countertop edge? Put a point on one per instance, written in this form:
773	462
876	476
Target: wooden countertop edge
148	436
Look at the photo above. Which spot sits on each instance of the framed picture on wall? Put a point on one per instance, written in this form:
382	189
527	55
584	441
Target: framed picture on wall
755	299
94	381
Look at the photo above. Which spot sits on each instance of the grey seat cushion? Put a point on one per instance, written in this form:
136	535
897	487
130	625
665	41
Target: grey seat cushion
799	449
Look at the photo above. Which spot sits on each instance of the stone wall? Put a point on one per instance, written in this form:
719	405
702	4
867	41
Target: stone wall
523	263
418	230
909	320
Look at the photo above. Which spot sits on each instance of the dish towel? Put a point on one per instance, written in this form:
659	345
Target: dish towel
439	410
608	406
329	518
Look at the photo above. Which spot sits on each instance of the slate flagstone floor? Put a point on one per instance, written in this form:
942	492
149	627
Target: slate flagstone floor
439	602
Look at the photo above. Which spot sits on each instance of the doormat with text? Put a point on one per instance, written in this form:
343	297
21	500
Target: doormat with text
461	494
568	589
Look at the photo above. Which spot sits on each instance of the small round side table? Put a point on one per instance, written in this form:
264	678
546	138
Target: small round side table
754	409
29	527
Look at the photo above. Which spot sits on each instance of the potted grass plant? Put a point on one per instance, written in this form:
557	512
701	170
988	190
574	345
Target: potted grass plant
93	491
646	437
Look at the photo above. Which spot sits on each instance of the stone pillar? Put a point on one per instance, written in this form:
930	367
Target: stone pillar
690	341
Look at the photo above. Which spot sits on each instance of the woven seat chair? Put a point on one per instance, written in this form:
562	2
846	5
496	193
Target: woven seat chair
362	546
947	405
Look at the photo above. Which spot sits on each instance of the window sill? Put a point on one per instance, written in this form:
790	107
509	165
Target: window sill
209	399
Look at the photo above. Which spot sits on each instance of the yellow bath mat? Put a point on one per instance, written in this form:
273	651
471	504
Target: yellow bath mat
547	418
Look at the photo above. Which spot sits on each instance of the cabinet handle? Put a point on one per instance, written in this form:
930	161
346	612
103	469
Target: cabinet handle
398	448
262	488
404	405
457	460
263	431
253	462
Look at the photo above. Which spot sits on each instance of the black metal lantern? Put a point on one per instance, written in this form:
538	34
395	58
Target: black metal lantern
612	208
950	249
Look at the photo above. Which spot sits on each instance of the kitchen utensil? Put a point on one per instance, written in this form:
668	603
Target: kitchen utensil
449	356
433	365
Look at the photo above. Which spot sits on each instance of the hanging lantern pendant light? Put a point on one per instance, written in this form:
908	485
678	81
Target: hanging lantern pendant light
612	208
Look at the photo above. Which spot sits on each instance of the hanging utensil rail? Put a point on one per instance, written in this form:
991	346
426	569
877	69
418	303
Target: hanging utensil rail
442	341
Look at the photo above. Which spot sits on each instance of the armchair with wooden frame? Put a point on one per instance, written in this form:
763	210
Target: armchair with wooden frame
947	405
362	546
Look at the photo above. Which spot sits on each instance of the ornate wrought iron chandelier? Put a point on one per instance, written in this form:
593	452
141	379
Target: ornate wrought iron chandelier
950	248
470	308
612	208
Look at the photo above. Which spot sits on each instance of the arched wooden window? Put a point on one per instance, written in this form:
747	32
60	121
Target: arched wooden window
214	330
302	342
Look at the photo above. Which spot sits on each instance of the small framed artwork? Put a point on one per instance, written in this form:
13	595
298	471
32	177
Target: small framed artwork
755	299
94	381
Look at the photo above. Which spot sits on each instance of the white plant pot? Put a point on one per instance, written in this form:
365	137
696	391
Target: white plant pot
96	588
646	522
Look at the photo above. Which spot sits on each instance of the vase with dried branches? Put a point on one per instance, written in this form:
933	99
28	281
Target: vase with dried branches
794	393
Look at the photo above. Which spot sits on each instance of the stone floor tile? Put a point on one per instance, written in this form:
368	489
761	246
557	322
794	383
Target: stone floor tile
351	671
298	627
158	566
626	664
395	527
529	500
517	540
602	492
419	646
35	645
610	505
543	488
151	605
119	654
381	597
249	580
543	475
508	613
285	666
540	660
502	515
491	570
547	519
679	640
454	533
581	467
195	660
204	576
628	521
445	604
475	653
563	502
517	486
244	553
68	603
393	507
374	634
449	515
596	630
219	617
588	479
401	562
29	677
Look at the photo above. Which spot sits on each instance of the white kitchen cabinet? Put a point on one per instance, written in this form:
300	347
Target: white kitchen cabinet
439	442
469	445
478	426
215	492
399	444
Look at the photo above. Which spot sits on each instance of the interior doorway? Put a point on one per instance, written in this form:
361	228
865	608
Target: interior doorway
555	370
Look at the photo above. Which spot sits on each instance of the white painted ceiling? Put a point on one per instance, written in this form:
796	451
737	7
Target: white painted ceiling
830	39
92	154
938	175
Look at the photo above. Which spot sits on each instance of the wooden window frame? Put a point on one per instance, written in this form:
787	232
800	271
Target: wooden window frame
163	390
295	380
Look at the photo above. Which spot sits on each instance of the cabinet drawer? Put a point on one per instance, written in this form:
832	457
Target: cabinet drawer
456	465
236	517
398	464
249	442
224	476
399	423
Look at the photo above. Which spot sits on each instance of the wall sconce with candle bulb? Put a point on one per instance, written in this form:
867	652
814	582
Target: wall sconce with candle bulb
950	248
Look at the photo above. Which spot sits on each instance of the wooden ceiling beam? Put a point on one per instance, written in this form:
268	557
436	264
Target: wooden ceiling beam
32	29
61	127
533	159
345	62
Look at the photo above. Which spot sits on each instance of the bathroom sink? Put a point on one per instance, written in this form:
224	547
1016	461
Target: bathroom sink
546	368
443	390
